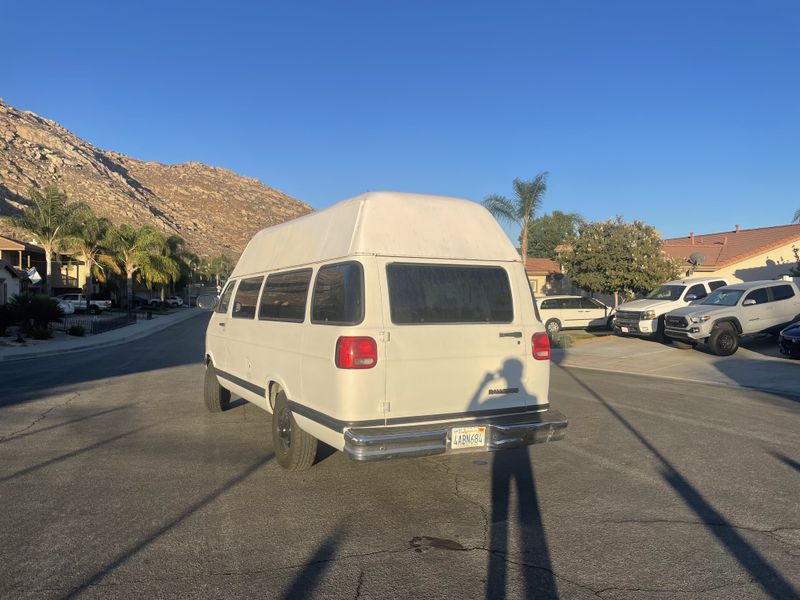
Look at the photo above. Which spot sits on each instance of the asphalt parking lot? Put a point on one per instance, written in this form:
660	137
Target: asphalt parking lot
116	482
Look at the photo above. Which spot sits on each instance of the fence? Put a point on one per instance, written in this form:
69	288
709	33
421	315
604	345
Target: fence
95	324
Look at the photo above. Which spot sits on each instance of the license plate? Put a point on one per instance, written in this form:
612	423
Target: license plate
467	437
624	329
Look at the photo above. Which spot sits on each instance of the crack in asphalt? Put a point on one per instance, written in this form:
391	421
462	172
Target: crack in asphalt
39	418
359	584
771	532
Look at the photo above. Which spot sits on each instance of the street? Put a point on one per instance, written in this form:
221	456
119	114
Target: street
116	481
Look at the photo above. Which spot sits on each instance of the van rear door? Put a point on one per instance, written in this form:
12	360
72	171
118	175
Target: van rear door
456	342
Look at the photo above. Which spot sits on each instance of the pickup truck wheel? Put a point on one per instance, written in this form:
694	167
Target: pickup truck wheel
723	340
217	398
294	449
660	335
610	324
552	327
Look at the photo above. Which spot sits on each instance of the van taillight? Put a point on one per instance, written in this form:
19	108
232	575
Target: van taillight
540	344
356	353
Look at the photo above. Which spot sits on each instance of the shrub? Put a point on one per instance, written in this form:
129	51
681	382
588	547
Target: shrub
41	333
36	311
8	316
77	330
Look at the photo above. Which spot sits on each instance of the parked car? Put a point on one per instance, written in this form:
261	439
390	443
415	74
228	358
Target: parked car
66	307
789	340
369	327
141	301
571	312
734	311
645	317
175	301
78	302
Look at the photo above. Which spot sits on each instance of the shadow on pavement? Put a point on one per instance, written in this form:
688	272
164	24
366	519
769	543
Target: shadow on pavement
177	345
786	460
512	469
133	550
778	378
18	436
308	577
758	567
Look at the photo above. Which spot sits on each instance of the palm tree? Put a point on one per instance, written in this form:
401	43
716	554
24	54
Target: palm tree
521	209
138	252
796	216
48	219
86	238
220	266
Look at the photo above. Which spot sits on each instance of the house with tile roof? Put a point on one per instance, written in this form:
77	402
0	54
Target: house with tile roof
547	277
739	254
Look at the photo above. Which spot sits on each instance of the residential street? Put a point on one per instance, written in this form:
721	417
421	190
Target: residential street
115	480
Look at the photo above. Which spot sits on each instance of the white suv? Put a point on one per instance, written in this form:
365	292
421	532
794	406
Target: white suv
645	317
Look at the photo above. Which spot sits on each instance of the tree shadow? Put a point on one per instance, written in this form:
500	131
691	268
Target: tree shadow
512	471
30	379
124	556
758	567
21	435
778	378
786	460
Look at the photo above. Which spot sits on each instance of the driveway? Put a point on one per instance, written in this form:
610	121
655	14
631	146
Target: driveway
116	482
757	364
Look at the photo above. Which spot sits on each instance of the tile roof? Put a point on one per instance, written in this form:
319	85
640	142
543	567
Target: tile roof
541	265
729	247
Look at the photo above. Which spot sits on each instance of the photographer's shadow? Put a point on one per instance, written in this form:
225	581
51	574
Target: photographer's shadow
514	466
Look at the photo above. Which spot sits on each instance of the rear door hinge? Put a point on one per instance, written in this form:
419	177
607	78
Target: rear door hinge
385	336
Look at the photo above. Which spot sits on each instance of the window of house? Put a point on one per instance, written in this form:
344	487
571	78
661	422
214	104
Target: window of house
244	303
225	298
431	294
284	297
338	297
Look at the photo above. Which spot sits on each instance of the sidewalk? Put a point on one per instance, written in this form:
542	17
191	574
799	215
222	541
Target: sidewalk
140	329
757	364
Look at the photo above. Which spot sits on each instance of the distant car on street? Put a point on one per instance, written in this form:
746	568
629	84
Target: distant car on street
175	301
573	312
79	303
789	340
66	307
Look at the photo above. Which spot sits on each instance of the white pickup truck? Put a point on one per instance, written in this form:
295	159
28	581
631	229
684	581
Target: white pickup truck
645	317
78	302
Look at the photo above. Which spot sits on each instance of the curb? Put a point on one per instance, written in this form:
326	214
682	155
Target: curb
133	336
736	386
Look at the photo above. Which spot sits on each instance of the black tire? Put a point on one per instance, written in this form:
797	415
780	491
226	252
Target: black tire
724	340
217	398
294	449
660	335
552	327
610	324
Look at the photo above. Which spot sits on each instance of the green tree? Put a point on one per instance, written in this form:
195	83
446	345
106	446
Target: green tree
796	216
48	219
521	209
85	237
141	253
186	260
614	256
220	267
549	231
795	272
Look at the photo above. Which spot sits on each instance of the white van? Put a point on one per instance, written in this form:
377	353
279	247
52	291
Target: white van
574	312
387	325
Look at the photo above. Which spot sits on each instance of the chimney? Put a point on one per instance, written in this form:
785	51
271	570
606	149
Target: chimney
737	228
691	235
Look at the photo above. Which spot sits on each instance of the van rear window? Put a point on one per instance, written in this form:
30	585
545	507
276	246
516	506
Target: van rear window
339	295
429	294
284	297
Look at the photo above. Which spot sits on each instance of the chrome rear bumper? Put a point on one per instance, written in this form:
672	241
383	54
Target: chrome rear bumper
511	431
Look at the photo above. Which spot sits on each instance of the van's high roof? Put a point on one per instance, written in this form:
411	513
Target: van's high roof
385	224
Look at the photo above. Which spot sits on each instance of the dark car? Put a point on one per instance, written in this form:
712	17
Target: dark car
789	340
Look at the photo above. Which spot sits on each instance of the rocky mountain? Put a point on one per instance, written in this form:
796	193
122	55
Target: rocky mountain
213	209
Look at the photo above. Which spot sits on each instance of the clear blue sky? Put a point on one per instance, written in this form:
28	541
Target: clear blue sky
683	114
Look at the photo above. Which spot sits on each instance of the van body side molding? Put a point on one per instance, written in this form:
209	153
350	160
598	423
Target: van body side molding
477	415
260	391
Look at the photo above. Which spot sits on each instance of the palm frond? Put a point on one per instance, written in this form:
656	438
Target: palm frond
796	216
530	195
501	208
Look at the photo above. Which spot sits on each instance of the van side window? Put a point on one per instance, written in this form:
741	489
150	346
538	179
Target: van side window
426	294
782	292
548	304
284	297
590	303
339	295
244	303
716	284
225	298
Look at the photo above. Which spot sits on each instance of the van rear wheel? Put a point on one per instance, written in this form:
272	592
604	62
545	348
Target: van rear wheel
295	449
217	398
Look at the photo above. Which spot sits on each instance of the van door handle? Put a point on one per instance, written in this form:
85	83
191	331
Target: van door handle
514	334
221	324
